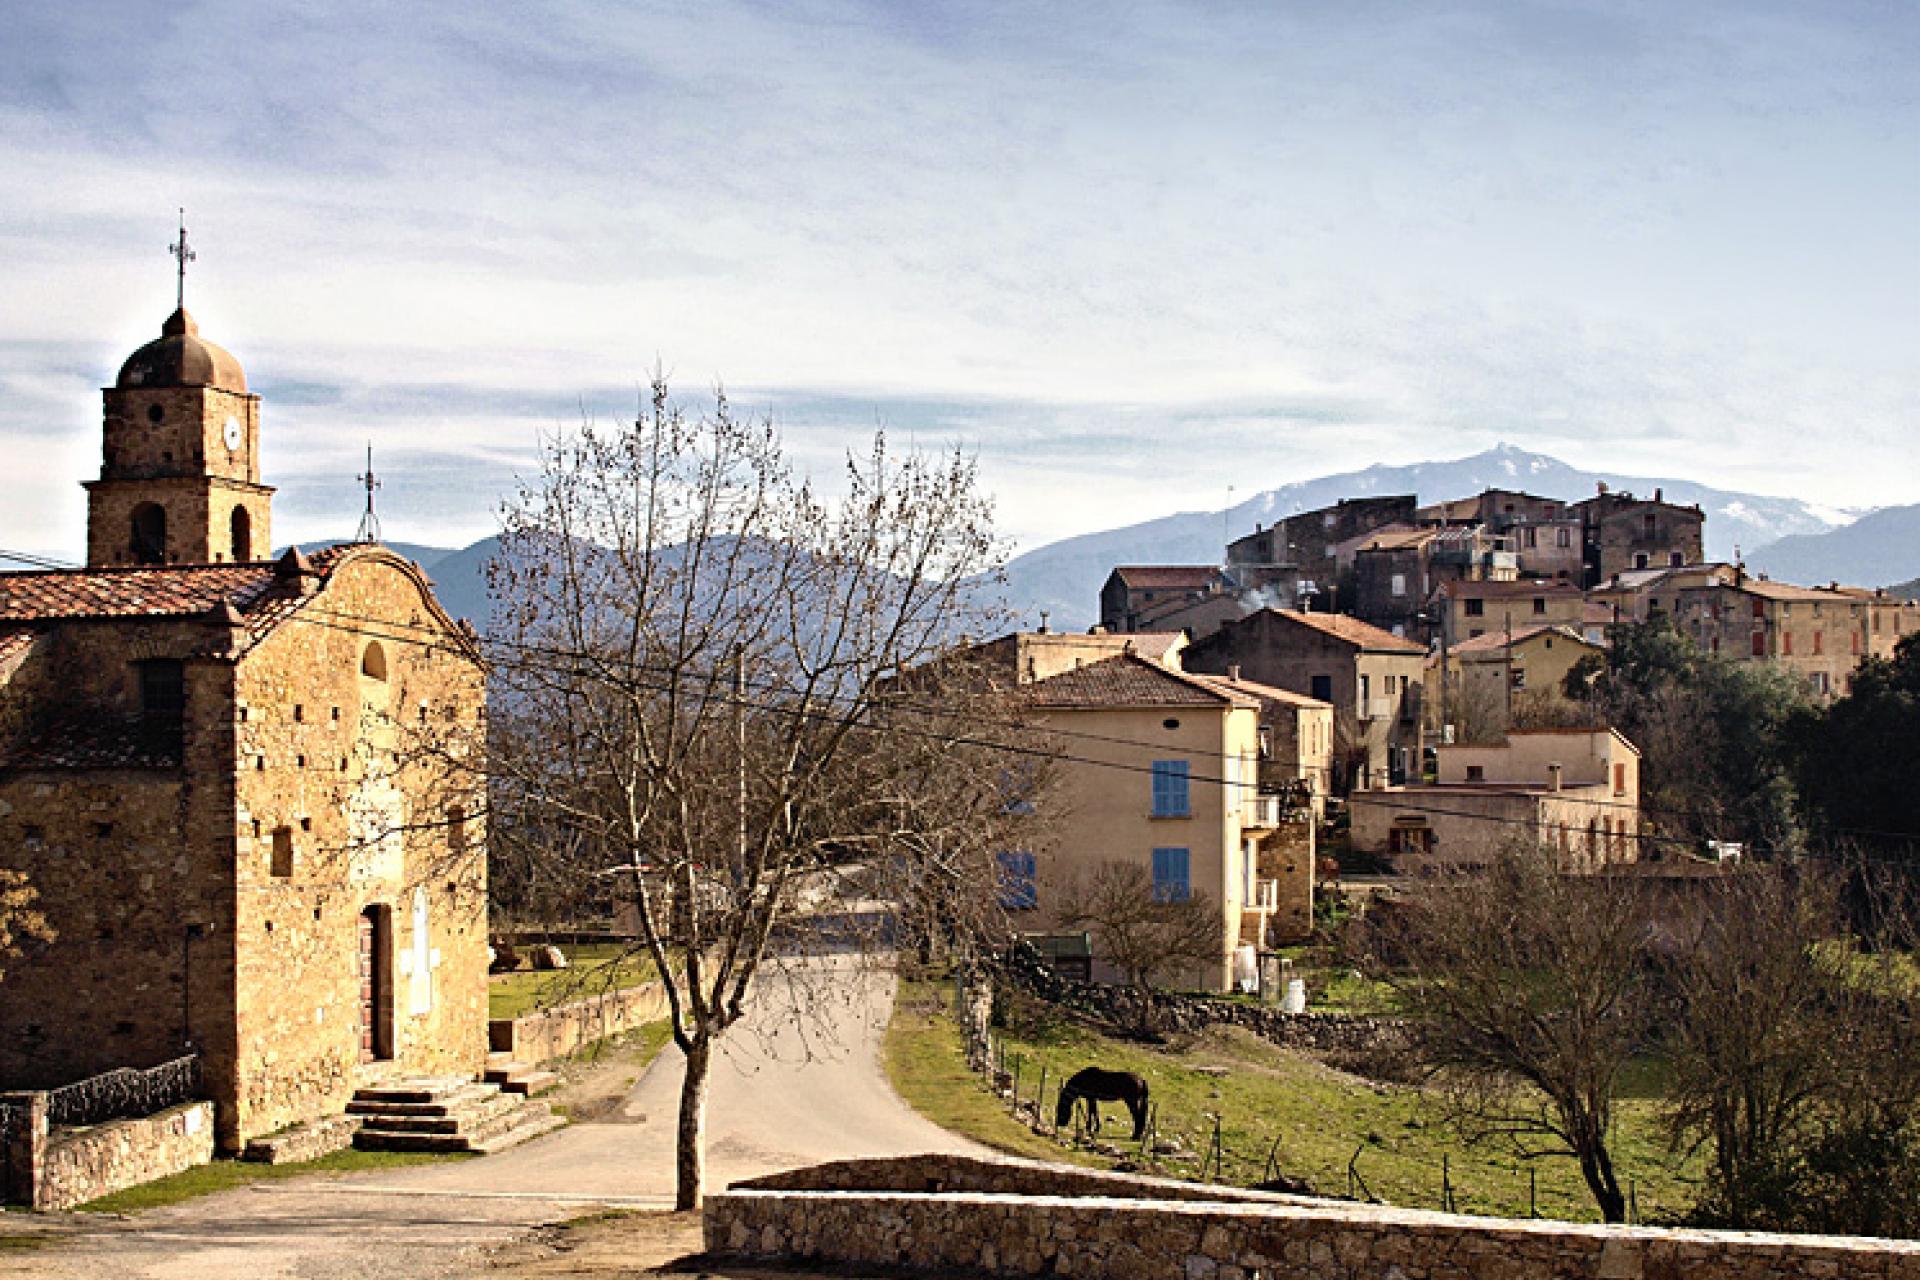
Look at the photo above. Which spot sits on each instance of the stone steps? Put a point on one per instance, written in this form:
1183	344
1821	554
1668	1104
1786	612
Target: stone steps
517	1077
446	1116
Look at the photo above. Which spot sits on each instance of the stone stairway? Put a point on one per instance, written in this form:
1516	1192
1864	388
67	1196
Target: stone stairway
446	1115
517	1077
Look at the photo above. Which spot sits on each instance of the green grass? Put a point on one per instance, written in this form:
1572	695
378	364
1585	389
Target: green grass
1319	1117
224	1175
595	969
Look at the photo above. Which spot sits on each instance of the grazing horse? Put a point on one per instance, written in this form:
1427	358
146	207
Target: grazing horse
1096	1085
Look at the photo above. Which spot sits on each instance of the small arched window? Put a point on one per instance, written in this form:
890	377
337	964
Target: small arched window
149	542
242	526
373	662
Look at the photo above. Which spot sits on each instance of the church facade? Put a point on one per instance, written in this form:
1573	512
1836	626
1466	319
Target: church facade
244	789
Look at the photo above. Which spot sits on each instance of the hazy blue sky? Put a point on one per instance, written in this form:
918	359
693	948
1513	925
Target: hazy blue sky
1132	254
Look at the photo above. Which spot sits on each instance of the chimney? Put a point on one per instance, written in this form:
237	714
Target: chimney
1233	671
1553	777
1656	494
1600	487
1044	629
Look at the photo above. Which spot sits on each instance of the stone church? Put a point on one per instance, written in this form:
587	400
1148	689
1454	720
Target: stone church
238	783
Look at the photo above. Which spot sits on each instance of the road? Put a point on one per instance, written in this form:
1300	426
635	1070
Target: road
797	1082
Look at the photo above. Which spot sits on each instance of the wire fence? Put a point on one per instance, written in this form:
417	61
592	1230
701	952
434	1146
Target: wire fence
1200	1151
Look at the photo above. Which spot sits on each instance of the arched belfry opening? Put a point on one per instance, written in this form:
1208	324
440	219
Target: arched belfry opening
149	534
241	528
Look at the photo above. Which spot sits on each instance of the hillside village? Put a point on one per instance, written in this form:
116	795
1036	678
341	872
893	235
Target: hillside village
277	862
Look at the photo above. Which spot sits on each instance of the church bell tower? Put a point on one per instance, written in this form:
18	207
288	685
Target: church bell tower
180	455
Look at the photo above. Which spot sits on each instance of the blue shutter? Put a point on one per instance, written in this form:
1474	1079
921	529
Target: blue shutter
1170	789
1170	880
1018	892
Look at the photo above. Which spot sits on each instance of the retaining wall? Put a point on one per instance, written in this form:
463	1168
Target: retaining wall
568	1028
1016	1235
60	1168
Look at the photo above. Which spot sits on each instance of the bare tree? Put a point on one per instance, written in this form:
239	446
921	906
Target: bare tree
1530	992
1145	936
696	710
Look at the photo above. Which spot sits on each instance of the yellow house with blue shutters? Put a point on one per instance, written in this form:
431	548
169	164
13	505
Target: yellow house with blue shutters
1162	768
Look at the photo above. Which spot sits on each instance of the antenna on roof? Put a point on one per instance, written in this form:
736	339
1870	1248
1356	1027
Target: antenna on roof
184	254
369	530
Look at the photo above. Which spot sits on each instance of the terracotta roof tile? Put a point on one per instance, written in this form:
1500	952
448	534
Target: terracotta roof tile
1167	575
1127	681
1263	692
1494	641
1355	632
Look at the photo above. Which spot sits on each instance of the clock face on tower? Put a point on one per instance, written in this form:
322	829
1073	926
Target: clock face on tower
232	434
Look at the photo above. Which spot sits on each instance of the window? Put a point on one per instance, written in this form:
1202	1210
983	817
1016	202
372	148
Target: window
163	701
1759	644
1323	688
1539	605
1018	889
1652	524
1819	642
281	865
1619	778
1519	678
457	829
1639	559
373	663
149	534
1675	559
241	531
1170	789
1565	538
1170	880
1786	643
1399	584
1476	773
1476	608
1531	537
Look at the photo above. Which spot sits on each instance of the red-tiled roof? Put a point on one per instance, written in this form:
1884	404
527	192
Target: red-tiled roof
1355	632
1129	681
153	591
1264	692
1493	641
1166	575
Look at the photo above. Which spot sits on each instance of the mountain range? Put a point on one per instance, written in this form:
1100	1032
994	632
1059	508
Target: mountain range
1802	542
1064	577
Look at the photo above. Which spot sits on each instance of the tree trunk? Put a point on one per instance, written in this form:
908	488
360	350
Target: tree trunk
690	1157
1596	1167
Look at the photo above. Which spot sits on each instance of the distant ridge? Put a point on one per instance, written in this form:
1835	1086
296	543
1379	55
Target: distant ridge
1064	577
1880	548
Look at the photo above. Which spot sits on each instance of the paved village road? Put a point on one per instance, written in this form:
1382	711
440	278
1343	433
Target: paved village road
799	1081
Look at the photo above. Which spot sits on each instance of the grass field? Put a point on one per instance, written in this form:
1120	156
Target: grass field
594	969
222	1175
1263	1095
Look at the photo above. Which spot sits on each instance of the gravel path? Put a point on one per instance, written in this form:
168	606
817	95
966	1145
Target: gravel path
787	1090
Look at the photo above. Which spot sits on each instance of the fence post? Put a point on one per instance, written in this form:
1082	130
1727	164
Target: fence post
1533	1207
1446	1181
26	1148
1040	1097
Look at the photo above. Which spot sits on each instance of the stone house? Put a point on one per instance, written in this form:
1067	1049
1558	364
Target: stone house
1467	608
1574	790
1164	768
1130	591
1620	532
1819	633
1306	542
1481	682
235	783
1372	678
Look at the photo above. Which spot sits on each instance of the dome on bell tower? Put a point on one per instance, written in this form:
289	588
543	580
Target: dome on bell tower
180	357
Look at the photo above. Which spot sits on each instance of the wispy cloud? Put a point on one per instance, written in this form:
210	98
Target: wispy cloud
1131	255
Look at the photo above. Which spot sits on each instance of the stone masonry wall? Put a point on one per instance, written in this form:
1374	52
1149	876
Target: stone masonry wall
1345	1033
1128	1239
555	1033
85	1164
352	796
999	1175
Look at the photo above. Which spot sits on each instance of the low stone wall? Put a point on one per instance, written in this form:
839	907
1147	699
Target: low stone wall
568	1028
1123	1239
304	1142
84	1164
1348	1034
1000	1175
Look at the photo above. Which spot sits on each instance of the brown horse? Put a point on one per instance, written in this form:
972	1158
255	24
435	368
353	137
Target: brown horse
1096	1086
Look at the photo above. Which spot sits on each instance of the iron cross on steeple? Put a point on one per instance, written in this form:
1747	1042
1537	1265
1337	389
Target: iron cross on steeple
181	251
369	530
